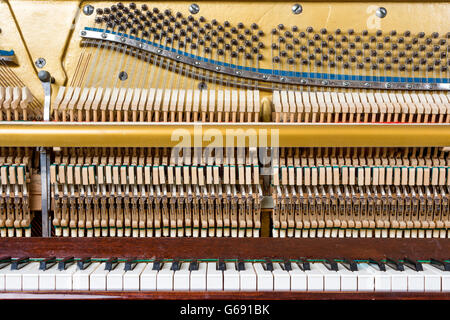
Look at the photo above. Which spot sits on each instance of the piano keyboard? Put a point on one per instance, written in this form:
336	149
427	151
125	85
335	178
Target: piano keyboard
114	274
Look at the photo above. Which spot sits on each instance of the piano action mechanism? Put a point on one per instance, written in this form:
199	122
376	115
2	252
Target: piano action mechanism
191	150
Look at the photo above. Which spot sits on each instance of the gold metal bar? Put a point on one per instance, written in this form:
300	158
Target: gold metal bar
32	134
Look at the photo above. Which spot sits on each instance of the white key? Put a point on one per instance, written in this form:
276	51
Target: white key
315	278
12	279
214	278
281	278
131	278
432	278
299	280
3	271
81	278
98	278
331	279
416	280
264	278
181	278
366	277
164	278
349	279
47	278
399	280
30	276
198	277
231	277
382	280
148	278
114	279
248	278
63	279
444	275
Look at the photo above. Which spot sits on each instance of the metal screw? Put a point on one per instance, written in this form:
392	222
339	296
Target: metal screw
283	79
196	63
345	83
265	77
194	8
159	50
428	86
40	63
218	68
366	84
123	39
297	9
83	33
178	57
324	82
88	9
104	35
141	45
408	86
388	85
303	81
381	12
123	75
238	72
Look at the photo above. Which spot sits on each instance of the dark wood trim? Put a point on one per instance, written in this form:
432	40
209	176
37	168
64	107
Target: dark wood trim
108	295
358	248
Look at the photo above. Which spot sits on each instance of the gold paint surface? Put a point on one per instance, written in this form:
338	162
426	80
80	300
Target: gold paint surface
151	135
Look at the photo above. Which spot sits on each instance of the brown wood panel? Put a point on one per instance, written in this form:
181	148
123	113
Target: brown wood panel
103	295
227	247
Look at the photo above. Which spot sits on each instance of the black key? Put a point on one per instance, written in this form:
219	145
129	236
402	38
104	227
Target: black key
349	265
19	263
240	266
331	265
221	266
47	263
287	266
176	265
64	263
414	265
381	266
304	264
396	265
157	265
441	265
5	261
268	265
130	264
84	263
193	266
111	264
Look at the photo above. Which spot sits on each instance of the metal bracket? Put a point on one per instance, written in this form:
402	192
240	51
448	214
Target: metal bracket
44	157
46	80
